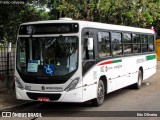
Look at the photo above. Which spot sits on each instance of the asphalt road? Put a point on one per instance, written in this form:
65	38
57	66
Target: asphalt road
126	102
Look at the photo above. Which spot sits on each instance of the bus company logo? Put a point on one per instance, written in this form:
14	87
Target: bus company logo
102	69
43	88
54	88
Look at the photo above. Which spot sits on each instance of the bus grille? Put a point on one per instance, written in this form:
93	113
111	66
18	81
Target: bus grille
51	97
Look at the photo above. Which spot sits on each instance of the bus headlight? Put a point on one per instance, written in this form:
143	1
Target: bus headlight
18	84
72	85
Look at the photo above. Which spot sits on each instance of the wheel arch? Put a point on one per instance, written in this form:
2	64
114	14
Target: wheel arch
141	69
104	79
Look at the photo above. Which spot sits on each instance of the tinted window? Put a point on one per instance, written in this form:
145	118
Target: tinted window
144	41
137	48
116	43
151	43
136	43
136	38
116	38
144	38
104	44
127	43
127	38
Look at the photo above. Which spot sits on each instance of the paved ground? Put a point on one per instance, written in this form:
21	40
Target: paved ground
8	99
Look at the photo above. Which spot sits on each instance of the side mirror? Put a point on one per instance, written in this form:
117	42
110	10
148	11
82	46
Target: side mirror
90	43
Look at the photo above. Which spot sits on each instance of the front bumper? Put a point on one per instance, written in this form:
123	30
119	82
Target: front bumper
70	96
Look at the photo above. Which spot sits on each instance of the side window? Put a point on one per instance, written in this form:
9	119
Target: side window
86	54
151	47
144	41
136	43
104	44
84	49
22	43
116	39
127	43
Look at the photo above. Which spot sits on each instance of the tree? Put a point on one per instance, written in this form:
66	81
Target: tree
138	13
11	16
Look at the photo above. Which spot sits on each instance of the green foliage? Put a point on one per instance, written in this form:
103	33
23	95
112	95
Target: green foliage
11	16
138	13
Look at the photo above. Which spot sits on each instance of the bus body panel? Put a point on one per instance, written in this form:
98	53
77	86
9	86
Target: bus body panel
90	84
72	96
150	68
118	74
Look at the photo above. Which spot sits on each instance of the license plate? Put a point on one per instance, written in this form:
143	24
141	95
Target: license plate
43	99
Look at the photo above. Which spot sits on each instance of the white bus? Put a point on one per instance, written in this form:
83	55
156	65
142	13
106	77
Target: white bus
76	61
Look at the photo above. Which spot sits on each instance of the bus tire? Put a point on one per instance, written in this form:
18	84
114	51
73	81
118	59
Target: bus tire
139	82
100	94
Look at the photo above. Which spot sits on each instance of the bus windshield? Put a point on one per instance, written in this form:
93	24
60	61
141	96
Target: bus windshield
47	56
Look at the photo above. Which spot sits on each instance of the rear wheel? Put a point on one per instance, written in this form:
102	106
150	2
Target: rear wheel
139	82
100	94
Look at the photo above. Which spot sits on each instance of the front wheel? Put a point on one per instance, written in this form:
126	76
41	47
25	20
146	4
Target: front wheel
139	82
100	94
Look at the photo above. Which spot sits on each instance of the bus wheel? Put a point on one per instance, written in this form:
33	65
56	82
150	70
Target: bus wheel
100	94
139	82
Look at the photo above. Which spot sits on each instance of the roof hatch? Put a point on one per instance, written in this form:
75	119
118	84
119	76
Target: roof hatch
65	18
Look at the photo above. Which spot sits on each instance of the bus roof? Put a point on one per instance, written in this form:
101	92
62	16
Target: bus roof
88	24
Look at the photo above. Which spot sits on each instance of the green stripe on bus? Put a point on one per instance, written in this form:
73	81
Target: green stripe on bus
117	61
151	57
111	62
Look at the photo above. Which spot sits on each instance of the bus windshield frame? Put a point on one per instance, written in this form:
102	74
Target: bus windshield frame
47	56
